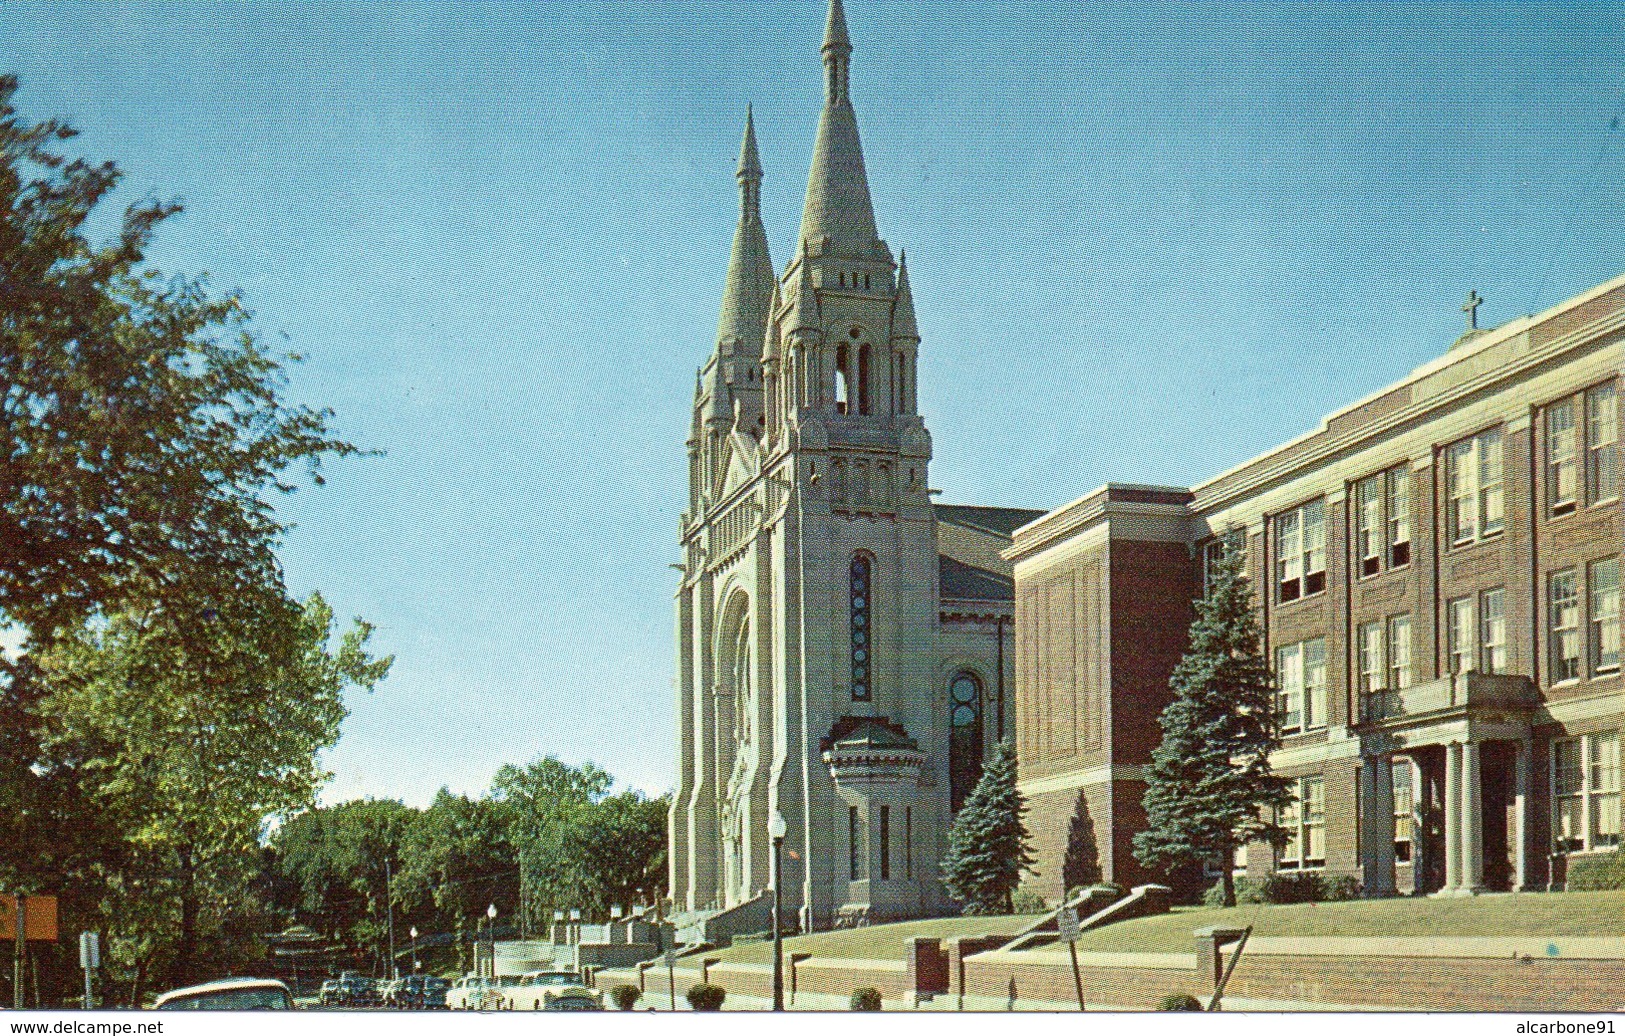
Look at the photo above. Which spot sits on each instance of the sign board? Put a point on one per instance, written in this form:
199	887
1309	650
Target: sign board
40	918
671	957
1067	922
90	950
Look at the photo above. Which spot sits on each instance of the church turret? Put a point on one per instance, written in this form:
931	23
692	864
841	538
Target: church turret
905	341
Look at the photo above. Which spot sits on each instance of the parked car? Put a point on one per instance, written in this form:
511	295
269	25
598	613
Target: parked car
229	994
332	993
434	994
556	990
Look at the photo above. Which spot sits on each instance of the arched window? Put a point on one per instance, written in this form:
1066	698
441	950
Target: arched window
862	588
863	378
843	390
964	737
744	687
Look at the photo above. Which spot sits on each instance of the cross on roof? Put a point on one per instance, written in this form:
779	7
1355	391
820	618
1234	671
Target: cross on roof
1471	309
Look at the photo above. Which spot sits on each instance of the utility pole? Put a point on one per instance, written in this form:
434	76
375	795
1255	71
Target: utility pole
21	952
389	905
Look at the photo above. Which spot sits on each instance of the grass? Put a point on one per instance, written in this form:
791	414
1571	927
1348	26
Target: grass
1532	914
1529	914
880	942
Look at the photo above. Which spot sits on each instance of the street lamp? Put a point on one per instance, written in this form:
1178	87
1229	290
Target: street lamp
776	829
491	939
414	934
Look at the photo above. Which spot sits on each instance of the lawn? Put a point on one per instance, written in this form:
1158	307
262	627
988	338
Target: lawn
1534	914
880	942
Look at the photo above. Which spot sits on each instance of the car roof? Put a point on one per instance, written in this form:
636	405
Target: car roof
221	986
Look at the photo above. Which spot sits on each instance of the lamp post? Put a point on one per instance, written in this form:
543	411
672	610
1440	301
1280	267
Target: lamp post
491	939
776	828
414	934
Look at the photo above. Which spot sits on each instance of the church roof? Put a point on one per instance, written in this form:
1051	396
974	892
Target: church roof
868	732
838	204
1002	521
748	294
962	582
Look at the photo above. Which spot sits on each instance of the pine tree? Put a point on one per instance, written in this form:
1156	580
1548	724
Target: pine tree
988	845
1210	786
1080	866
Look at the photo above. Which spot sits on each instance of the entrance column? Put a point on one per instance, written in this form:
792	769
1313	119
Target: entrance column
1472	816
1377	842
1521	791
1452	818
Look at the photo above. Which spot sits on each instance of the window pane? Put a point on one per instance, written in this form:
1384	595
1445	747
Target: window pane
1289	675
1492	630
1399	517
1461	478
1314	684
1461	646
1404	810
1314	821
1565	626
1490	507
1372	664
1562	456
1604	787
1399	652
1368	530
1604	580
1602	441
1314	539
1568	784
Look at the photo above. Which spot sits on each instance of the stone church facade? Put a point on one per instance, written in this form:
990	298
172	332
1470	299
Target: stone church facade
1437	568
844	644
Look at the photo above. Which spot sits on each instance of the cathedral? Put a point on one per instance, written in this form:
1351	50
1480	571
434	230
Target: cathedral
844	644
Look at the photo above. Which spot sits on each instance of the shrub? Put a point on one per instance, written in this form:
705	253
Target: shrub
1179	1002
625	997
1596	872
1293	888
1248	890
1026	901
703	996
866	999
1340	888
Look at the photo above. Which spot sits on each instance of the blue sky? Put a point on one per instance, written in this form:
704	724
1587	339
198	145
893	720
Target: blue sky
1147	242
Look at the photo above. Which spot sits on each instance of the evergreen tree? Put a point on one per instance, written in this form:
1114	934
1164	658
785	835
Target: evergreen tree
1080	866
1210	786
988	845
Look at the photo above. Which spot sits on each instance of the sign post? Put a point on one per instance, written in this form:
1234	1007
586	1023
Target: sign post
90	958
1067	923
20	922
671	974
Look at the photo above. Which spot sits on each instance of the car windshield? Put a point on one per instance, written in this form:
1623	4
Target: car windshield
556	978
253	999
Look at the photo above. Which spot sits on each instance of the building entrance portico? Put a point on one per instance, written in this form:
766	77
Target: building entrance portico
1465	743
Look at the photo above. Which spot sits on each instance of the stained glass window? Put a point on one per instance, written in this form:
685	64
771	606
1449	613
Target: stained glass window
862	587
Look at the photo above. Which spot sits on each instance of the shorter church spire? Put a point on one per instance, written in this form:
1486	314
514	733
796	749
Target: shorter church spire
903	325
749	290
806	315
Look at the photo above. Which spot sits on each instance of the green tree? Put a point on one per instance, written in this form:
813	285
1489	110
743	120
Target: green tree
189	730
455	860
1210	786
1080	866
989	846
145	427
338	863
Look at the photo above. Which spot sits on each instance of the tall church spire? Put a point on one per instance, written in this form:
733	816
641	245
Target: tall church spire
748	295
838	204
